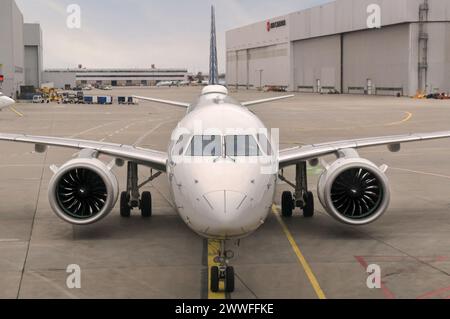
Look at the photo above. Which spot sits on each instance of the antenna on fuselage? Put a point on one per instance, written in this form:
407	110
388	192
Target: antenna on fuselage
213	63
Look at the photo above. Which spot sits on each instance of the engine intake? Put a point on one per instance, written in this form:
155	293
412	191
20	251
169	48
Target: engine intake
354	191
83	191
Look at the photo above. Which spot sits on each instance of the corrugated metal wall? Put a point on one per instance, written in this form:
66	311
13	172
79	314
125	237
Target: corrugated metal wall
317	59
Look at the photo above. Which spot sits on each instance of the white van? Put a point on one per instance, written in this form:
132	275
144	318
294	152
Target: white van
38	99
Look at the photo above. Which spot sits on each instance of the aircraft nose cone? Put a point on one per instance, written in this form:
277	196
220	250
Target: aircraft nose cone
227	213
226	203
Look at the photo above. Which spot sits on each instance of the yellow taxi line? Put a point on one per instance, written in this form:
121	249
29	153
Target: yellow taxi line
301	258
409	116
213	247
15	111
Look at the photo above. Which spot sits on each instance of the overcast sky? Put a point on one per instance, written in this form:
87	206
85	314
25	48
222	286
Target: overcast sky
138	33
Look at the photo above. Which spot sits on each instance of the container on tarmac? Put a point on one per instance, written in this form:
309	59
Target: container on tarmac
102	100
122	100
88	99
127	100
132	101
105	100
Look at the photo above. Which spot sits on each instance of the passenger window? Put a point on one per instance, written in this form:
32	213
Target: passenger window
241	145
205	145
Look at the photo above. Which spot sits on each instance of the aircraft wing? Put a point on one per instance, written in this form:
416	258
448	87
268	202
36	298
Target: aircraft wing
173	103
293	156
250	103
154	159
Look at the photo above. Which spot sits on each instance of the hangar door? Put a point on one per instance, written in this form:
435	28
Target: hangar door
269	66
32	66
317	64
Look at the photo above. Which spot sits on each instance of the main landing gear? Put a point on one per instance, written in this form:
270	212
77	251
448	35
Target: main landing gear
301	198
223	272
132	198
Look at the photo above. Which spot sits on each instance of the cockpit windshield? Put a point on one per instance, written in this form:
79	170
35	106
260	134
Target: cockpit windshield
206	146
233	145
241	145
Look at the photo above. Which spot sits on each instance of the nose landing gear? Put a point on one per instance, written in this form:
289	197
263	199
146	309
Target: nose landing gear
223	272
132	198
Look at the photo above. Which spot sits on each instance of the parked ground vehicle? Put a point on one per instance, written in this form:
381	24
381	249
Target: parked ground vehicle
72	98
38	99
41	98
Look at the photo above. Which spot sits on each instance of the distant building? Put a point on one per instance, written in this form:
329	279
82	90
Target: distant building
21	50
21	61
331	47
114	77
12	67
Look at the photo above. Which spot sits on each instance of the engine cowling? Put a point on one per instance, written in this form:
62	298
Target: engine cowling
354	191
83	191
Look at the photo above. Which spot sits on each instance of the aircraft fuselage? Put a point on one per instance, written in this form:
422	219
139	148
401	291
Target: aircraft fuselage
229	192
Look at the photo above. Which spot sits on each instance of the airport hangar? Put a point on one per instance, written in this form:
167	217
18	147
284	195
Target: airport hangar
330	48
21	50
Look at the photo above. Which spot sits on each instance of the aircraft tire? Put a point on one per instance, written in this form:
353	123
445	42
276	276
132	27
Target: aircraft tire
214	279
146	204
308	210
125	210
229	280
287	204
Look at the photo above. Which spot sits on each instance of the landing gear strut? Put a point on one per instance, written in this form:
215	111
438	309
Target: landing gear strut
302	197
132	198
223	272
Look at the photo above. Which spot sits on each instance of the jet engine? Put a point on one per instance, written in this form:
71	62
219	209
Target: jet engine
83	191
354	190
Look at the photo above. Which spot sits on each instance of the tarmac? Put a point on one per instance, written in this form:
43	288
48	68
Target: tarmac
287	258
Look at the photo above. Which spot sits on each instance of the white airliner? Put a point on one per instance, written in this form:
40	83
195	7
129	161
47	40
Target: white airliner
219	180
165	83
5	101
